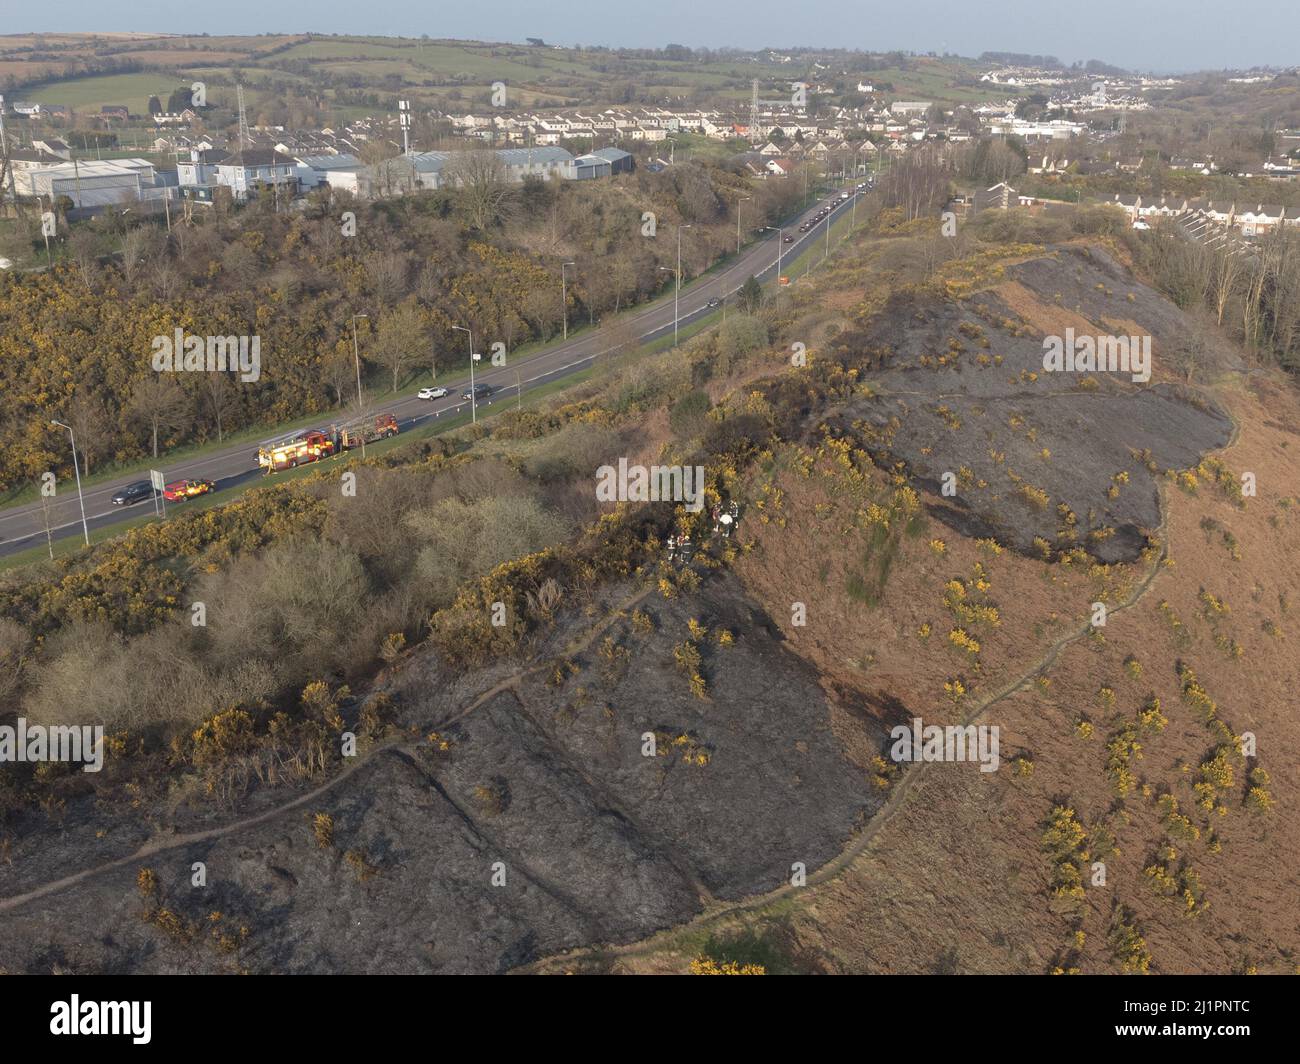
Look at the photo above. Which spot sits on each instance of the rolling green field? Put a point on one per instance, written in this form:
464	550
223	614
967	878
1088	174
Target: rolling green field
459	74
90	94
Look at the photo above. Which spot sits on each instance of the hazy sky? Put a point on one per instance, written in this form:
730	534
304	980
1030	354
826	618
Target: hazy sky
1160	35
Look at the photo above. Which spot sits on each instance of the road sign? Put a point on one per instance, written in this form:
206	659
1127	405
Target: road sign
159	482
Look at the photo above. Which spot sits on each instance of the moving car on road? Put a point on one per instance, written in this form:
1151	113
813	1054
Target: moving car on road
481	391
713	303
431	393
180	490
134	493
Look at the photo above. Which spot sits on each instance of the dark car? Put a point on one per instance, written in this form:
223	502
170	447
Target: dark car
714	302
134	493
481	391
789	240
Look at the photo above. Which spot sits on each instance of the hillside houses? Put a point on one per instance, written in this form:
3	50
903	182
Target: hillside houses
1250	220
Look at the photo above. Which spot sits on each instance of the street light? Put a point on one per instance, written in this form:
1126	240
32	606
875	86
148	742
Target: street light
738	203
678	288
76	468
564	298
356	355
780	245
473	395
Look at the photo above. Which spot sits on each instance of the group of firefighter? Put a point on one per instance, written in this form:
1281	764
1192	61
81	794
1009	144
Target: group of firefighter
680	547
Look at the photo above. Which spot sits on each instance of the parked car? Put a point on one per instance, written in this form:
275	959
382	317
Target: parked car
134	493
481	391
180	490
431	393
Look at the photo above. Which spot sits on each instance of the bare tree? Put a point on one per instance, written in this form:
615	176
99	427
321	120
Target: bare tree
139	250
485	194
89	420
83	246
220	396
399	339
159	404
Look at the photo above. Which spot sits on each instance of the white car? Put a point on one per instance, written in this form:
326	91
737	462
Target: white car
431	393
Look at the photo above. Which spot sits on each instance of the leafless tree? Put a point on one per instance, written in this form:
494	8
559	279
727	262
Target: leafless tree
159	404
400	339
89	420
484	190
219	395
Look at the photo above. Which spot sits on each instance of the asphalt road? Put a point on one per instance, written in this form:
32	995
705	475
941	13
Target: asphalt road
23	526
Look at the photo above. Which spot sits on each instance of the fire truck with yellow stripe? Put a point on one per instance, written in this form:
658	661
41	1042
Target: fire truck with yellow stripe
294	449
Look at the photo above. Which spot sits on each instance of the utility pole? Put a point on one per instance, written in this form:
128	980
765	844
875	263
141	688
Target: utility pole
564	297
6	172
473	394
356	355
49	261
677	289
404	119
738	203
245	136
76	468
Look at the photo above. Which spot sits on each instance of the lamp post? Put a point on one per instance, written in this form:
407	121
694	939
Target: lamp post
564	299
473	395
677	289
76	468
738	203
356	356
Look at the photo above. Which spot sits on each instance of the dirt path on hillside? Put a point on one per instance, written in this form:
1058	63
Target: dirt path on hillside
898	798
393	746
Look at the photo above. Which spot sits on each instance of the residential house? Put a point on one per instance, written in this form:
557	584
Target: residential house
245	171
1000	197
1259	220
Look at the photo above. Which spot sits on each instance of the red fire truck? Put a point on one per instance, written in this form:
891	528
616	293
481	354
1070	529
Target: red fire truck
294	449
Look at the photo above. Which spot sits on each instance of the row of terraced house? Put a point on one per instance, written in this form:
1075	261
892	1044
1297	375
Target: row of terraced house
1250	219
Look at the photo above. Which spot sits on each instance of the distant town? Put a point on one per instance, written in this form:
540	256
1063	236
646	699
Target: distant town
1064	121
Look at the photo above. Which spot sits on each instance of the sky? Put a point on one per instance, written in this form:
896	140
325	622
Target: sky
1148	35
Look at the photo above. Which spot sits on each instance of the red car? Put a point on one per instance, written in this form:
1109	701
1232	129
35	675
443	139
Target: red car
180	490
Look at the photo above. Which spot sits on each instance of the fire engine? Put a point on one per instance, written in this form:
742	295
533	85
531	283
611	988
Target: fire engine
350	434
295	449
180	490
